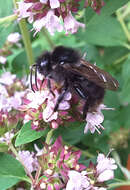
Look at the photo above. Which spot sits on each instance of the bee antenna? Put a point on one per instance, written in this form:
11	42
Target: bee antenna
35	77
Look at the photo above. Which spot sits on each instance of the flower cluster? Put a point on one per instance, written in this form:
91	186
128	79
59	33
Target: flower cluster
11	41
57	160
60	168
39	107
94	176
54	15
12	91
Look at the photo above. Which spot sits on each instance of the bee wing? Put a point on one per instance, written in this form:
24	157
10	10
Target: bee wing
94	74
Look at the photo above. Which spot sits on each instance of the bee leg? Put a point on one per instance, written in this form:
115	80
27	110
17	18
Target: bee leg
61	96
89	103
85	109
85	96
49	87
79	91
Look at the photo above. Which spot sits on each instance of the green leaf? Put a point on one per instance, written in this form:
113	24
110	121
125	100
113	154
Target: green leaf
72	133
18	60
19	63
11	171
124	94
96	142
112	54
7	182
124	117
107	33
126	71
3	147
109	8
102	29
6	8
4	32
27	135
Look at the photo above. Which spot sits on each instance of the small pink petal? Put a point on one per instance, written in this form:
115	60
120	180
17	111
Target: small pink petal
105	176
54	4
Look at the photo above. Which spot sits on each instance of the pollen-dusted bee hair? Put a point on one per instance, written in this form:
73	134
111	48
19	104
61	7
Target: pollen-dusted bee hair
65	66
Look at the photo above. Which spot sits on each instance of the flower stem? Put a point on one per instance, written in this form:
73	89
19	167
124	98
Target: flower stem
121	59
8	18
48	138
26	38
49	135
119	16
112	185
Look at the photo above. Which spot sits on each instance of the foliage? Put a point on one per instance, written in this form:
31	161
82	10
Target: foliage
106	42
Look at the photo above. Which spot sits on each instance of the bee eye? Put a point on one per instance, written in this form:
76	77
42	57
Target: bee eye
62	63
43	63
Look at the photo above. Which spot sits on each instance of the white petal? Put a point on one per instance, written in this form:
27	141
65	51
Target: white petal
106	175
54	4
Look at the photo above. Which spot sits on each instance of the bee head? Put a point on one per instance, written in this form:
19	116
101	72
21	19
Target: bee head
44	63
62	55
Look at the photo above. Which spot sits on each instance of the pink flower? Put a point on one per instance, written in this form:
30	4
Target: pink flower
53	3
37	98
95	119
51	22
4	103
3	90
77	181
23	12
105	176
49	114
16	100
71	25
7	137
40	106
105	167
3	59
14	37
7	78
64	105
44	1
29	160
56	163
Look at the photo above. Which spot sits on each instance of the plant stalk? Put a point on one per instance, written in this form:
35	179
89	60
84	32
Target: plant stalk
113	185
26	38
119	16
8	19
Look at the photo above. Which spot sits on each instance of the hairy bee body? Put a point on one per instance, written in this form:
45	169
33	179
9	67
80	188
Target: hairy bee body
66	67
